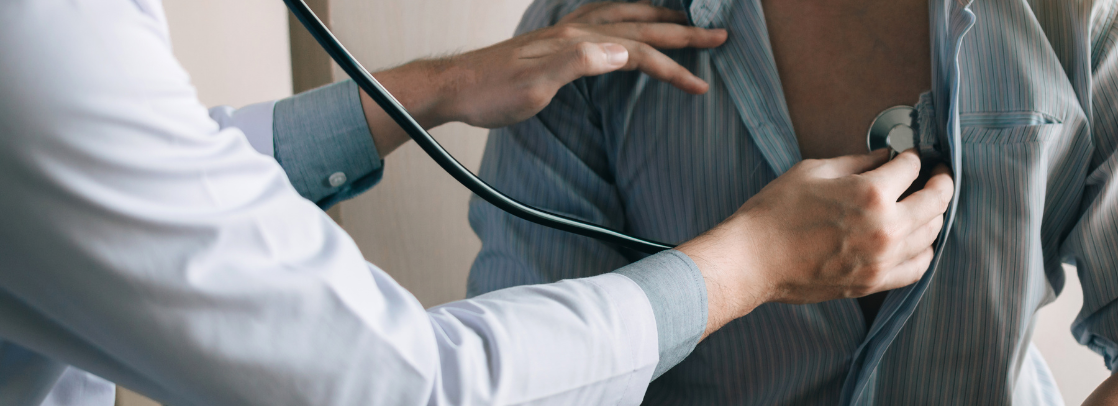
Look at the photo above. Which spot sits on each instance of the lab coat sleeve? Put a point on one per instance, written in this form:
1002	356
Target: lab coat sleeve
143	243
558	160
319	137
255	121
1092	245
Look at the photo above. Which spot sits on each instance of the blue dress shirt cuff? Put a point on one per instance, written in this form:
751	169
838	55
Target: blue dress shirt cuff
322	141
678	294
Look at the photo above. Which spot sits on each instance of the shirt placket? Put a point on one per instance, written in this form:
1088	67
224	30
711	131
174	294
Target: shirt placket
937	138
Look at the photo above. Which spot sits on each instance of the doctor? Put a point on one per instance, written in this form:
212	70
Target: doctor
143	239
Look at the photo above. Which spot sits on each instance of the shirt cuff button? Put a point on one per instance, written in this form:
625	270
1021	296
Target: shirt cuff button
336	179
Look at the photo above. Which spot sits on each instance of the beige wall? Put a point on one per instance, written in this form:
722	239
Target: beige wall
1077	370
236	51
414	224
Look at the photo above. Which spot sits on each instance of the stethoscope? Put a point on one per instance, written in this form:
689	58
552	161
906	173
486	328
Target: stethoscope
887	130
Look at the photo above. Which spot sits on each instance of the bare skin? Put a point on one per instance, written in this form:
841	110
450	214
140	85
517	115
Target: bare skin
513	80
843	62
862	239
1105	395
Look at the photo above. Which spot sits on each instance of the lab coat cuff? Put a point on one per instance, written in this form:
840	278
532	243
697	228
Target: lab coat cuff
256	121
676	289
323	143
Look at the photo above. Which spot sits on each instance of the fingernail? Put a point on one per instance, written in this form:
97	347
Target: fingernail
616	54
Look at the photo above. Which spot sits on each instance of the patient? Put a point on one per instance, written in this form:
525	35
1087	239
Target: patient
1018	96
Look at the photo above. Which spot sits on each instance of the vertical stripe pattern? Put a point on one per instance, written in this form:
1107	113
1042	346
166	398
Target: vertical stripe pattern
1026	102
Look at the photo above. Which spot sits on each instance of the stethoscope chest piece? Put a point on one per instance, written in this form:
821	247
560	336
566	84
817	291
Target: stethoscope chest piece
892	128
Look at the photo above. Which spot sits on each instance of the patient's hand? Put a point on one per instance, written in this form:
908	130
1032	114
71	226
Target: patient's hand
826	229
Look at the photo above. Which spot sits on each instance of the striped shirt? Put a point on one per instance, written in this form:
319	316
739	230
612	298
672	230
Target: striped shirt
1023	107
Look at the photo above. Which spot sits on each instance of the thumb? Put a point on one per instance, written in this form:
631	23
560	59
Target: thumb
587	59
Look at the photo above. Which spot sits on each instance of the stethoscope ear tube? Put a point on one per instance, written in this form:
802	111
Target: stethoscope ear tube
442	157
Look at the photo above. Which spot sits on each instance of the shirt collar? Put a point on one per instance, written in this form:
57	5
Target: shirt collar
703	13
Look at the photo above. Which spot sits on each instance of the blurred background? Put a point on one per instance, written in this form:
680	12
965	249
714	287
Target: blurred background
245	51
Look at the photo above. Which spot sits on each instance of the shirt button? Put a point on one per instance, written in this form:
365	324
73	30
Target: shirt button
337	179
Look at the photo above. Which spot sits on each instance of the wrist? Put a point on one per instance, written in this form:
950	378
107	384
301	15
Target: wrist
731	267
421	87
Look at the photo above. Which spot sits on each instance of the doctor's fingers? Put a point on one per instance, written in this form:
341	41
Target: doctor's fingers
930	202
663	35
893	178
654	63
921	238
907	272
612	12
584	58
847	165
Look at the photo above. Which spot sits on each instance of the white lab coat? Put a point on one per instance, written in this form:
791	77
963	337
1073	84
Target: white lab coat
142	242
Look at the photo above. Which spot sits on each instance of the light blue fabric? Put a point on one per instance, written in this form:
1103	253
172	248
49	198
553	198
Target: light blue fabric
26	377
323	132
675	287
1024	107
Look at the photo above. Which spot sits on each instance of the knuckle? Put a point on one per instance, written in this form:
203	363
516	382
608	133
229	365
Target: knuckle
810	164
937	224
873	196
880	240
567	31
817	164
691	35
645	32
538	97
862	289
910	160
944	200
586	54
874	278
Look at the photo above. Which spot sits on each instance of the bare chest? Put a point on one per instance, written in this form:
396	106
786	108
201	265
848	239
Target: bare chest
841	62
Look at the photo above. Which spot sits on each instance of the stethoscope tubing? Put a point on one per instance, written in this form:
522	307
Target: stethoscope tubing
440	155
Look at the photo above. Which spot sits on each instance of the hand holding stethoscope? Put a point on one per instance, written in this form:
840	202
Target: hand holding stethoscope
826	229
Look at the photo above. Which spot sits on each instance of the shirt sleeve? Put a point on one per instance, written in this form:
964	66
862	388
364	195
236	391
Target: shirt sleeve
319	137
557	160
677	292
323	143
144	243
1092	244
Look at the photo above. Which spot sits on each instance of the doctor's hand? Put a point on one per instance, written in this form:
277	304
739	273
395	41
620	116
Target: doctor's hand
512	81
826	229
